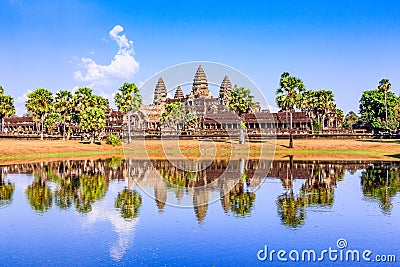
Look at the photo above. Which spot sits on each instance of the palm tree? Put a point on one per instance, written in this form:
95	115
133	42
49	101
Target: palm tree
350	119
6	107
384	86
128	101
92	120
64	105
99	102
173	114
306	101
241	101
39	103
325	100
82	98
289	96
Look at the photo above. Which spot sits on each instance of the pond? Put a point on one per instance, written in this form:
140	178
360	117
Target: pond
89	213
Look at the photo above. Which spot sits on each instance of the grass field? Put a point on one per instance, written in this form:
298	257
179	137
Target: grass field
14	151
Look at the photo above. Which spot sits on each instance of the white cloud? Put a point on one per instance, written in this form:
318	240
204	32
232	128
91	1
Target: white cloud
20	103
122	68
273	109
22	99
110	98
104	211
121	40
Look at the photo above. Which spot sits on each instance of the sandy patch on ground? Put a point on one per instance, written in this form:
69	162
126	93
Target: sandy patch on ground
304	149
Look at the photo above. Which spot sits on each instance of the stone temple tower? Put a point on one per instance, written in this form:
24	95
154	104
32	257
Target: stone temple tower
160	93
200	84
225	90
178	93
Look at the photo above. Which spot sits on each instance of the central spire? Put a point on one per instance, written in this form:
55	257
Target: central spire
200	84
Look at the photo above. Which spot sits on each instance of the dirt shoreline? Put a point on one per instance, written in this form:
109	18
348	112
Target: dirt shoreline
21	151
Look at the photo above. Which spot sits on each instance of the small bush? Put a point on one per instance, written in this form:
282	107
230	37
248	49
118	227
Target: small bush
114	140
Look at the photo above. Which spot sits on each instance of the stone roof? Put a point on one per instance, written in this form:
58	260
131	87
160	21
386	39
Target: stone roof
224	117
297	116
259	117
19	121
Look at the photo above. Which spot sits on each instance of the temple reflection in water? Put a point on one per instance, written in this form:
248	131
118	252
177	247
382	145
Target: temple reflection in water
81	183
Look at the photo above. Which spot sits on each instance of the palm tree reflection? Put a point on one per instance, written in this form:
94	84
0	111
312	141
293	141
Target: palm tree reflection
6	190
291	210
65	192
39	194
241	200
92	188
317	191
75	187
128	203
381	183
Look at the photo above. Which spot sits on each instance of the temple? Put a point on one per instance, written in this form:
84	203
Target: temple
214	117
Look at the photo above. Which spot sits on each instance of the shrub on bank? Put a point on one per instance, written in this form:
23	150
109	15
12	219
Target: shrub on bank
114	140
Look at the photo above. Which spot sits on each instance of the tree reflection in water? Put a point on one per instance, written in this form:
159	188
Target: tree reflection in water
128	203
241	200
6	190
291	210
66	191
76	184
39	194
380	183
316	192
80	184
318	195
92	188
291	207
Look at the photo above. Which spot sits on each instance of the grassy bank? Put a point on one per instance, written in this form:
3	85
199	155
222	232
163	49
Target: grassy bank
305	149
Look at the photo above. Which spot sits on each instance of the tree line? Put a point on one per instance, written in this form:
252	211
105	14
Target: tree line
66	109
379	108
80	109
292	94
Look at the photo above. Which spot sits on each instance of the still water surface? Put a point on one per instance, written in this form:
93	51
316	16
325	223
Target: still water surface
87	213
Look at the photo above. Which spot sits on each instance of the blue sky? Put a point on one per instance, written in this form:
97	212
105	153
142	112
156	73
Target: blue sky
344	46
